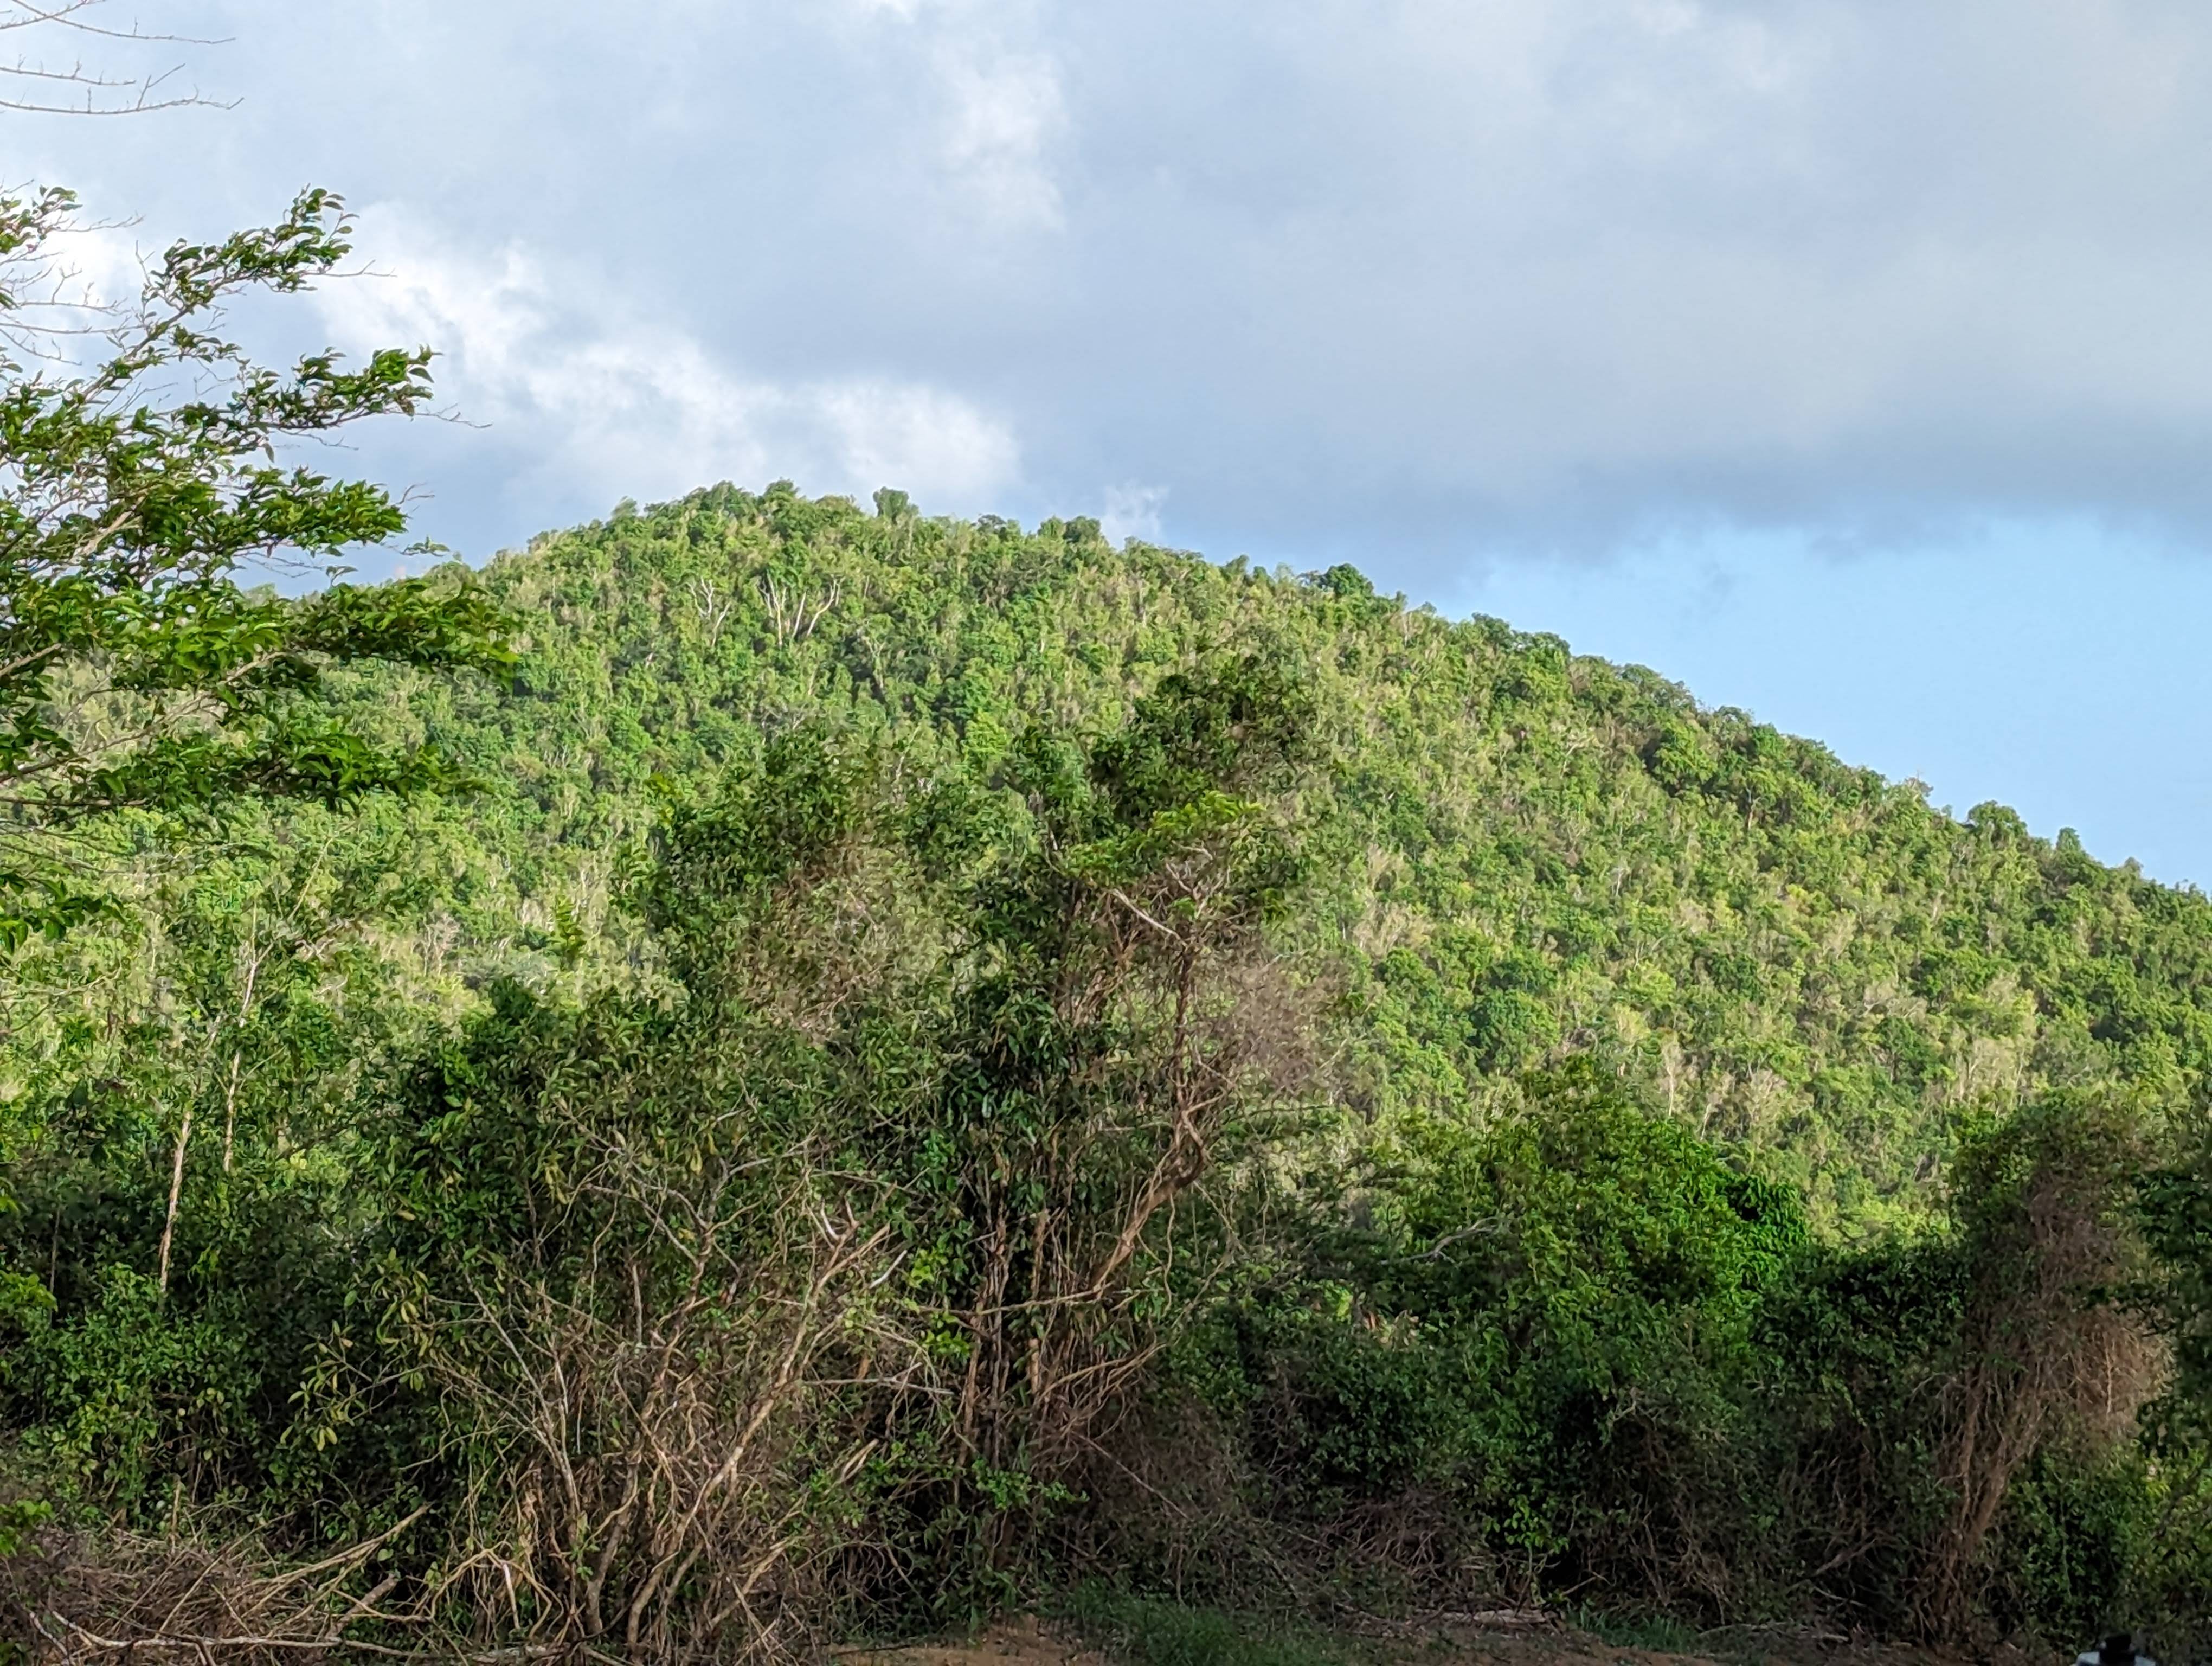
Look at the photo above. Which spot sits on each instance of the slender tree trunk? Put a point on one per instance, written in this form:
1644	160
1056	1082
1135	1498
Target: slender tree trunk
176	1189
229	1111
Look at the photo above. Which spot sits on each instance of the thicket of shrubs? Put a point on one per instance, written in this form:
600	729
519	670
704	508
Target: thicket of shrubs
968	1208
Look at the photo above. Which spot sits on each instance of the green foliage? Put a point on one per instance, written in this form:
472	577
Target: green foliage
132	1391
875	1192
1519	855
1547	1324
2176	1201
1596	1357
941	1058
159	984
135	671
2076	1533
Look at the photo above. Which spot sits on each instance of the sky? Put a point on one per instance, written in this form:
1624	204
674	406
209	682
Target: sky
1849	361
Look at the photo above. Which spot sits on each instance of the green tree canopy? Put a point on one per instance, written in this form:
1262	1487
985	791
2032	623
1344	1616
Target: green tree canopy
143	476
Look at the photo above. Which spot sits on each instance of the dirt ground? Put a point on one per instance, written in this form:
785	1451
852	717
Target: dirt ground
1464	1640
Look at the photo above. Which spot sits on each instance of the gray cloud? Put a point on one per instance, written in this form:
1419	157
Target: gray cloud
1520	274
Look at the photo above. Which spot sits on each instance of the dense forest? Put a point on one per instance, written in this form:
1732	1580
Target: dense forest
766	1070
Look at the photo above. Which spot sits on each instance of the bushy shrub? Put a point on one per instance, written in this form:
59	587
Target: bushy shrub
1549	1325
1595	1355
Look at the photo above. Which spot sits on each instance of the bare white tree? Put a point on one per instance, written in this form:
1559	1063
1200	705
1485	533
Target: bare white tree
713	604
67	85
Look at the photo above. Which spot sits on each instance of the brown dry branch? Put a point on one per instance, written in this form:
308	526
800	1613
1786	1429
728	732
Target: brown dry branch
645	1443
124	1596
1066	1320
2046	1353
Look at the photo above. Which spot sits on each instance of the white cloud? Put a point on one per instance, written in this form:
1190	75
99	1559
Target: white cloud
1004	112
601	402
996	106
1132	511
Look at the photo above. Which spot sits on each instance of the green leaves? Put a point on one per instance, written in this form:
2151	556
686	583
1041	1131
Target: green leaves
1209	825
137	672
1244	724
2174	1202
1128	940
46	905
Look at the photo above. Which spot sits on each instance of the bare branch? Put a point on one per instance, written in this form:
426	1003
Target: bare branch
70	14
103	93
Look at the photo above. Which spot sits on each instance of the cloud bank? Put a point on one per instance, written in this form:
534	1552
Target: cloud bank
1519	274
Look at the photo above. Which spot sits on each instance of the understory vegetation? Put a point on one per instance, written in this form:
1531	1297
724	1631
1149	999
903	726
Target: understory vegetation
831	1073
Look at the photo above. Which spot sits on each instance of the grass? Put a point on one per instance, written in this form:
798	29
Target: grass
1149	1631
1656	1632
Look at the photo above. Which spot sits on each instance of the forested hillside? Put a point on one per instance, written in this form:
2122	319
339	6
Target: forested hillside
1521	855
890	1067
